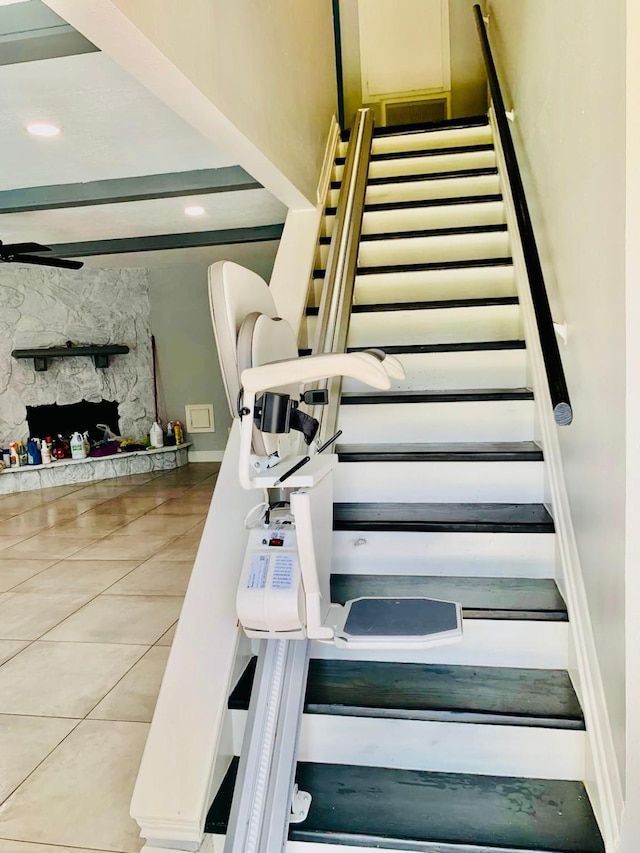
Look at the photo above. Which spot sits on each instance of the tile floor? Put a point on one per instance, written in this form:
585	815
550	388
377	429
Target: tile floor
91	584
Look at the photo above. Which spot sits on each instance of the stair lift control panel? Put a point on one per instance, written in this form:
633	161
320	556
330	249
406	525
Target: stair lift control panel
284	588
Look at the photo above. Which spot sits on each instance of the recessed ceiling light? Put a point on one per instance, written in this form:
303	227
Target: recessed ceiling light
196	210
42	128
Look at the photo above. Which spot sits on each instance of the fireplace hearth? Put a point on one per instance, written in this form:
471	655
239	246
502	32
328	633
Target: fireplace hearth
55	420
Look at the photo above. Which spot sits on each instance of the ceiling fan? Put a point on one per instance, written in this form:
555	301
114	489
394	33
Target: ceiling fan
21	253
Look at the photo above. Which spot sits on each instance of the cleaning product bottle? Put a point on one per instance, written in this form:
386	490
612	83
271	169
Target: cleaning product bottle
34	457
15	456
78	450
178	431
46	454
156	436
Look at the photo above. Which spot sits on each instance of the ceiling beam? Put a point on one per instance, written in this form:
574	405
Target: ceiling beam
31	31
158	242
116	190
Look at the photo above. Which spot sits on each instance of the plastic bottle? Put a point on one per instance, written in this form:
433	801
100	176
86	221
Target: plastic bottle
34	457
46	454
15	456
178	431
156	436
78	450
169	438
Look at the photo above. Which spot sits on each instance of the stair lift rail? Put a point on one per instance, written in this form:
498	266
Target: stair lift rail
266	799
337	295
562	411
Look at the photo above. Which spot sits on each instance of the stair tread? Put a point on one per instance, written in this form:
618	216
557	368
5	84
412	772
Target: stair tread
418	810
481	598
464	346
426	152
418	349
434	304
430	232
367	398
472	517
450	174
424	127
426	267
425	202
450	693
507	451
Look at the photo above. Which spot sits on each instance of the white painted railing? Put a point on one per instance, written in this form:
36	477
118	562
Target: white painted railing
190	741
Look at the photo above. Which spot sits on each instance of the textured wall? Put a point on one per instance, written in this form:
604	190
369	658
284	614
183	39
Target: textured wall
45	307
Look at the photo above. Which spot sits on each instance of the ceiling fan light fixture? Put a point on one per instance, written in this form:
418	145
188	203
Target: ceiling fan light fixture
43	128
195	210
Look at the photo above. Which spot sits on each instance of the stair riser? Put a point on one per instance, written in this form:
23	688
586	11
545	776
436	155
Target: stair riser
372	552
437	746
428	285
431	139
441	371
427	250
416	219
428	165
432	285
445	482
495	420
420	190
435	326
486	642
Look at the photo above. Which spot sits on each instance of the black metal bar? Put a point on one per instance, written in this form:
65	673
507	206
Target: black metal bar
562	411
337	37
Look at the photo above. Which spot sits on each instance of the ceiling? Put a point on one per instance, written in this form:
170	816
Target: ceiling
124	167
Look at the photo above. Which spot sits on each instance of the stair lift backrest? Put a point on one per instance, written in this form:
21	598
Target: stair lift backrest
263	340
234	292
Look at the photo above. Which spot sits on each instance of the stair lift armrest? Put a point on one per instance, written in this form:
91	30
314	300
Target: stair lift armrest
363	366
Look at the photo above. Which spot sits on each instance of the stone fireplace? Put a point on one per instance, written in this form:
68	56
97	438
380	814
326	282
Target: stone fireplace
44	307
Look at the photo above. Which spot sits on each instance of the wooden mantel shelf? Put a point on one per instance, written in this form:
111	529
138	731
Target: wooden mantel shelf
100	354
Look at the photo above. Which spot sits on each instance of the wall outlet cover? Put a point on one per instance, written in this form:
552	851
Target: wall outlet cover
199	417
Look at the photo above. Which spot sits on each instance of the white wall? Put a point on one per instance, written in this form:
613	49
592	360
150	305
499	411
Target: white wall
188	369
631	828
468	80
563	69
269	67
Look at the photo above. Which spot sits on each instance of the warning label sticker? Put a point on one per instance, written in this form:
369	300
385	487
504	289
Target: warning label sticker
283	572
258	571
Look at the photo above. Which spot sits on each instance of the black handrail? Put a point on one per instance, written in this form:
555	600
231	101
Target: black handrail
562	411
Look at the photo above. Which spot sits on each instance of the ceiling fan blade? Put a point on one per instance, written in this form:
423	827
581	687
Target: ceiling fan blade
49	262
20	248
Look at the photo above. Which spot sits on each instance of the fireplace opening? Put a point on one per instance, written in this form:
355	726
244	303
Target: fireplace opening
55	420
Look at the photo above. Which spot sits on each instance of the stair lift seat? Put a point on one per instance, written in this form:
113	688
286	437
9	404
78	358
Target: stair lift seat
284	590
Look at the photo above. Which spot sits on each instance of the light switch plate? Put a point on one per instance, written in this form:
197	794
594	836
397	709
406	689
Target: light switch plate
199	417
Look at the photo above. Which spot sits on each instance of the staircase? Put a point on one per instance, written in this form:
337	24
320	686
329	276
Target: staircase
469	748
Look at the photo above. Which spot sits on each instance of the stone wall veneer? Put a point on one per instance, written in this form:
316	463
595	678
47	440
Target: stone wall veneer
43	307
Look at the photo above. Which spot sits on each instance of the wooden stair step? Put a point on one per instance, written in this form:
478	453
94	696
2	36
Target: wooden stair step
427	202
506	451
424	127
369	398
443	517
439	692
382	307
425	176
431	232
466	346
433	812
424	152
437	265
481	598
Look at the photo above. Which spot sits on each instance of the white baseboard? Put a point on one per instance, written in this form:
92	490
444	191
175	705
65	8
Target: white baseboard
602	777
206	455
